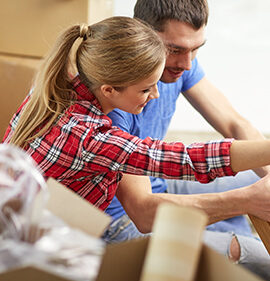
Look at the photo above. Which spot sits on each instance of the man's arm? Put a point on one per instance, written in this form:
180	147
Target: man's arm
134	192
220	114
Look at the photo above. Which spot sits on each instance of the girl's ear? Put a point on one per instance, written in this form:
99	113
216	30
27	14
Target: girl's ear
108	91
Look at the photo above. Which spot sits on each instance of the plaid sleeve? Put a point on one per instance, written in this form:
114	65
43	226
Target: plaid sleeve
116	150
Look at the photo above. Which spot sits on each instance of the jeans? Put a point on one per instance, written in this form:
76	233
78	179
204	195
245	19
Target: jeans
121	230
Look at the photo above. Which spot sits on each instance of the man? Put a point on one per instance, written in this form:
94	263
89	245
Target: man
181	24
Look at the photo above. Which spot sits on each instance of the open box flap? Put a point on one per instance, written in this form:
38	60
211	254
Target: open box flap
75	211
124	261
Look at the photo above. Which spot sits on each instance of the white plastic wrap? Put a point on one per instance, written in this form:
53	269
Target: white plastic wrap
23	193
29	234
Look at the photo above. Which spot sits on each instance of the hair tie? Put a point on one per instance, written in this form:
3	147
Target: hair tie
84	31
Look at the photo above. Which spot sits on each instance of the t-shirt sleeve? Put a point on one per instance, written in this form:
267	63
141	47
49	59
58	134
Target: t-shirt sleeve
121	119
192	76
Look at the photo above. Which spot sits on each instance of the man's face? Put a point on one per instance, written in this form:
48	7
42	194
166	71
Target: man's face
183	42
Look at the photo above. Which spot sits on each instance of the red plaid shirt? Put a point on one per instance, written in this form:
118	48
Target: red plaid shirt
85	153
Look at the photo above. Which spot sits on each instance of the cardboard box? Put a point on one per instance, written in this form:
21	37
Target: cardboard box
16	75
131	256
81	215
184	257
29	27
125	261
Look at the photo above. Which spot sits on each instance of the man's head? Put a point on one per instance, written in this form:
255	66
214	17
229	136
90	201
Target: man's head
180	23
158	12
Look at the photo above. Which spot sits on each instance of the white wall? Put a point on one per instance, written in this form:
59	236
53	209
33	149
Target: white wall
236	59
124	7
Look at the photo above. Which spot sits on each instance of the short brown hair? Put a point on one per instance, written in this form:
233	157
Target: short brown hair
158	12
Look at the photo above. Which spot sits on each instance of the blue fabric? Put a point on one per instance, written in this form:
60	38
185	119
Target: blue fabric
154	121
121	230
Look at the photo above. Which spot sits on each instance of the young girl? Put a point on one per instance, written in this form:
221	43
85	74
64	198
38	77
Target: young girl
63	125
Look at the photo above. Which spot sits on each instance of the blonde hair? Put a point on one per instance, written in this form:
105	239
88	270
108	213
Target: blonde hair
119	51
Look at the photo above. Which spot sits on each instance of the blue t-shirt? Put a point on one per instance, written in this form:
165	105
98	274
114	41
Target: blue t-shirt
154	121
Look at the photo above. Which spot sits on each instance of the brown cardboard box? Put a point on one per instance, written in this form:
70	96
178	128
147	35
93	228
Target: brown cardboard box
173	253
125	261
16	75
29	27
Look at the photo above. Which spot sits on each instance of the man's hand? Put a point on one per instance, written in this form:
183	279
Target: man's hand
258	199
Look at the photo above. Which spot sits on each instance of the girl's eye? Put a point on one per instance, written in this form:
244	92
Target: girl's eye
146	91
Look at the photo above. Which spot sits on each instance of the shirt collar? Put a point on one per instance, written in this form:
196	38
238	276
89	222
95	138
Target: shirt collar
83	93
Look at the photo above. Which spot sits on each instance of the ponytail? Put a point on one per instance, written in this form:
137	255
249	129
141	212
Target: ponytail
52	92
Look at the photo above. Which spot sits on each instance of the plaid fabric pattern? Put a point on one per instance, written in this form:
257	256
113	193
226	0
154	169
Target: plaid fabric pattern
85	153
